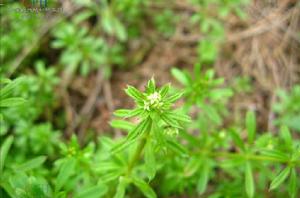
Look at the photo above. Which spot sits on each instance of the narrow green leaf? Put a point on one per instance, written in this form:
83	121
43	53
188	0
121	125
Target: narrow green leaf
139	129
31	164
65	171
179	117
92	192
274	154
292	187
38	188
121	146
286	135
120	30
82	16
197	71
159	136
192	167
19	180
237	139
151	86
134	93
122	112
249	181
143	126
105	167
150	161
204	177
180	76
5	81
110	176
164	90
170	121
107	21
144	187
62	194
8	89
127	113
251	126
4	151
174	98
133	135
121	189
212	113
11	102
194	141
279	179
232	163
177	148
122	124
11	191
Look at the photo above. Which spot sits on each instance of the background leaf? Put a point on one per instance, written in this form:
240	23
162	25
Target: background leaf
92	192
204	176
65	171
31	164
4	151
292	187
180	76
11	102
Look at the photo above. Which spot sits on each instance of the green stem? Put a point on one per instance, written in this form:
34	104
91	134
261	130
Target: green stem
137	155
138	152
242	155
247	156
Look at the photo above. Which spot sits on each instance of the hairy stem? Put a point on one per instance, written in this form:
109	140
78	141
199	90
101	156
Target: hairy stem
138	152
137	155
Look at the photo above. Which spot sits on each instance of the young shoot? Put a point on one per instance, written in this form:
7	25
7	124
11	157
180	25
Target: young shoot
157	128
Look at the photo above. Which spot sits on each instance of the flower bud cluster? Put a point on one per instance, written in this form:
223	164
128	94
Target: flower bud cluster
153	101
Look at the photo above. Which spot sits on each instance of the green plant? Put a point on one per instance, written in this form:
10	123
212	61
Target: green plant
165	153
204	95
225	157
160	156
6	99
288	108
157	126
211	24
16	26
38	92
80	50
165	21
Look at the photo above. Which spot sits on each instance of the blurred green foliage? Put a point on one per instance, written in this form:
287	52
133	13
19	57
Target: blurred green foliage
288	108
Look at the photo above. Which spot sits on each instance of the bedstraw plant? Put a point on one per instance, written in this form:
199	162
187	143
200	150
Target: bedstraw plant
158	125
162	155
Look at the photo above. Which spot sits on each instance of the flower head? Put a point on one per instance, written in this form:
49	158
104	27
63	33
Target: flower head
153	101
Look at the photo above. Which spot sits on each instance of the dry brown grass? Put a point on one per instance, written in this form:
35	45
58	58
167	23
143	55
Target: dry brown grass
265	47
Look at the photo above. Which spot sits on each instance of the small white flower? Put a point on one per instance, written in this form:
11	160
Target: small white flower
153	100
146	106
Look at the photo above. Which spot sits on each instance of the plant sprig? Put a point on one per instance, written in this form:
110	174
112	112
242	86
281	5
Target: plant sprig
157	127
